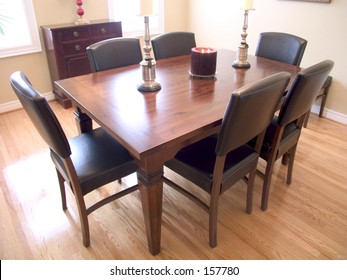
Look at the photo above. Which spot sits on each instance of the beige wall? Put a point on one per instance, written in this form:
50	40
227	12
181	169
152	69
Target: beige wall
35	65
323	25
218	24
176	15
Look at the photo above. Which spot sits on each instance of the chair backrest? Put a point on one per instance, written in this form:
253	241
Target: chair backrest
303	91
282	47
113	53
250	111
40	114
173	44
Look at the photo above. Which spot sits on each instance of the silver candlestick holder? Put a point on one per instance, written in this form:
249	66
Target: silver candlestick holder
148	64
242	52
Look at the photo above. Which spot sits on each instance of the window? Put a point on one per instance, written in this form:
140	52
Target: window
132	24
18	28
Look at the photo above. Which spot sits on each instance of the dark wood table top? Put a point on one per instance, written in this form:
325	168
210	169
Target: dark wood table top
154	126
143	122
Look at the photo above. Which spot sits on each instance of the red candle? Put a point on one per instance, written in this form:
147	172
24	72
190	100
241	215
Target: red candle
203	62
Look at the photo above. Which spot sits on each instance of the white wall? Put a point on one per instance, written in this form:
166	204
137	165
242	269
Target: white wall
218	23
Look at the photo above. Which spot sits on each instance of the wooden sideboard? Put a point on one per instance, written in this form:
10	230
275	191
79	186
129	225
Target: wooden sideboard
66	49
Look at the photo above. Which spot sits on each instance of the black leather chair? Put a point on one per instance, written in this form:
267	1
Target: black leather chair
85	162
282	47
113	53
282	136
173	44
289	49
216	163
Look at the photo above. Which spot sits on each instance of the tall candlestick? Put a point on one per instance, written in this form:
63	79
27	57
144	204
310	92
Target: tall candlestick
242	53
148	63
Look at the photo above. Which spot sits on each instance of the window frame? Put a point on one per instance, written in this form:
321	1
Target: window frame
158	28
25	6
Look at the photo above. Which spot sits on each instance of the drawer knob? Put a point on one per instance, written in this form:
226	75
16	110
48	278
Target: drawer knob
103	30
76	34
78	47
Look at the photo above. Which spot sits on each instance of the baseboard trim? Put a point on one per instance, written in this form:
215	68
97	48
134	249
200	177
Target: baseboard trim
15	105
329	114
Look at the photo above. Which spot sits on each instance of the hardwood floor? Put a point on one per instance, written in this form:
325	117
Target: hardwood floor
307	220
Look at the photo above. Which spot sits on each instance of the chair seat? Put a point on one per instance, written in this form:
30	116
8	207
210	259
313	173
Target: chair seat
98	159
196	163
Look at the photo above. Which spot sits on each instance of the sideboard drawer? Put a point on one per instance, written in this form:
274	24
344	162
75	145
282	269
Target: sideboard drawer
76	48
106	30
75	33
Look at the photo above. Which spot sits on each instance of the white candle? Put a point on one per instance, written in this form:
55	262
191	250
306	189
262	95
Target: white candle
146	7
247	4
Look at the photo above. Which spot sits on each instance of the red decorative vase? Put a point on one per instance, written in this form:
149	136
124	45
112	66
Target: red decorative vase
80	13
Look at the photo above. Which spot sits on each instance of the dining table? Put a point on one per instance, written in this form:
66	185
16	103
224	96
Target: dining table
154	126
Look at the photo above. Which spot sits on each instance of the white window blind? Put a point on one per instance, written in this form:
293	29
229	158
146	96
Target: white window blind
18	28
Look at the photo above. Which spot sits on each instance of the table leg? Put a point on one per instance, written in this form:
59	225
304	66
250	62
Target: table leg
151	190
83	121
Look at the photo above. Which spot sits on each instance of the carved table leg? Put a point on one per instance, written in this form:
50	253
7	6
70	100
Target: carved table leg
151	190
83	121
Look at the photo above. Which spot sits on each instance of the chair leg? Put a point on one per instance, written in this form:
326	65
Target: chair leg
62	190
266	185
291	165
322	105
285	158
85	229
250	191
82	212
307	118
213	219
213	215
214	200
80	203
